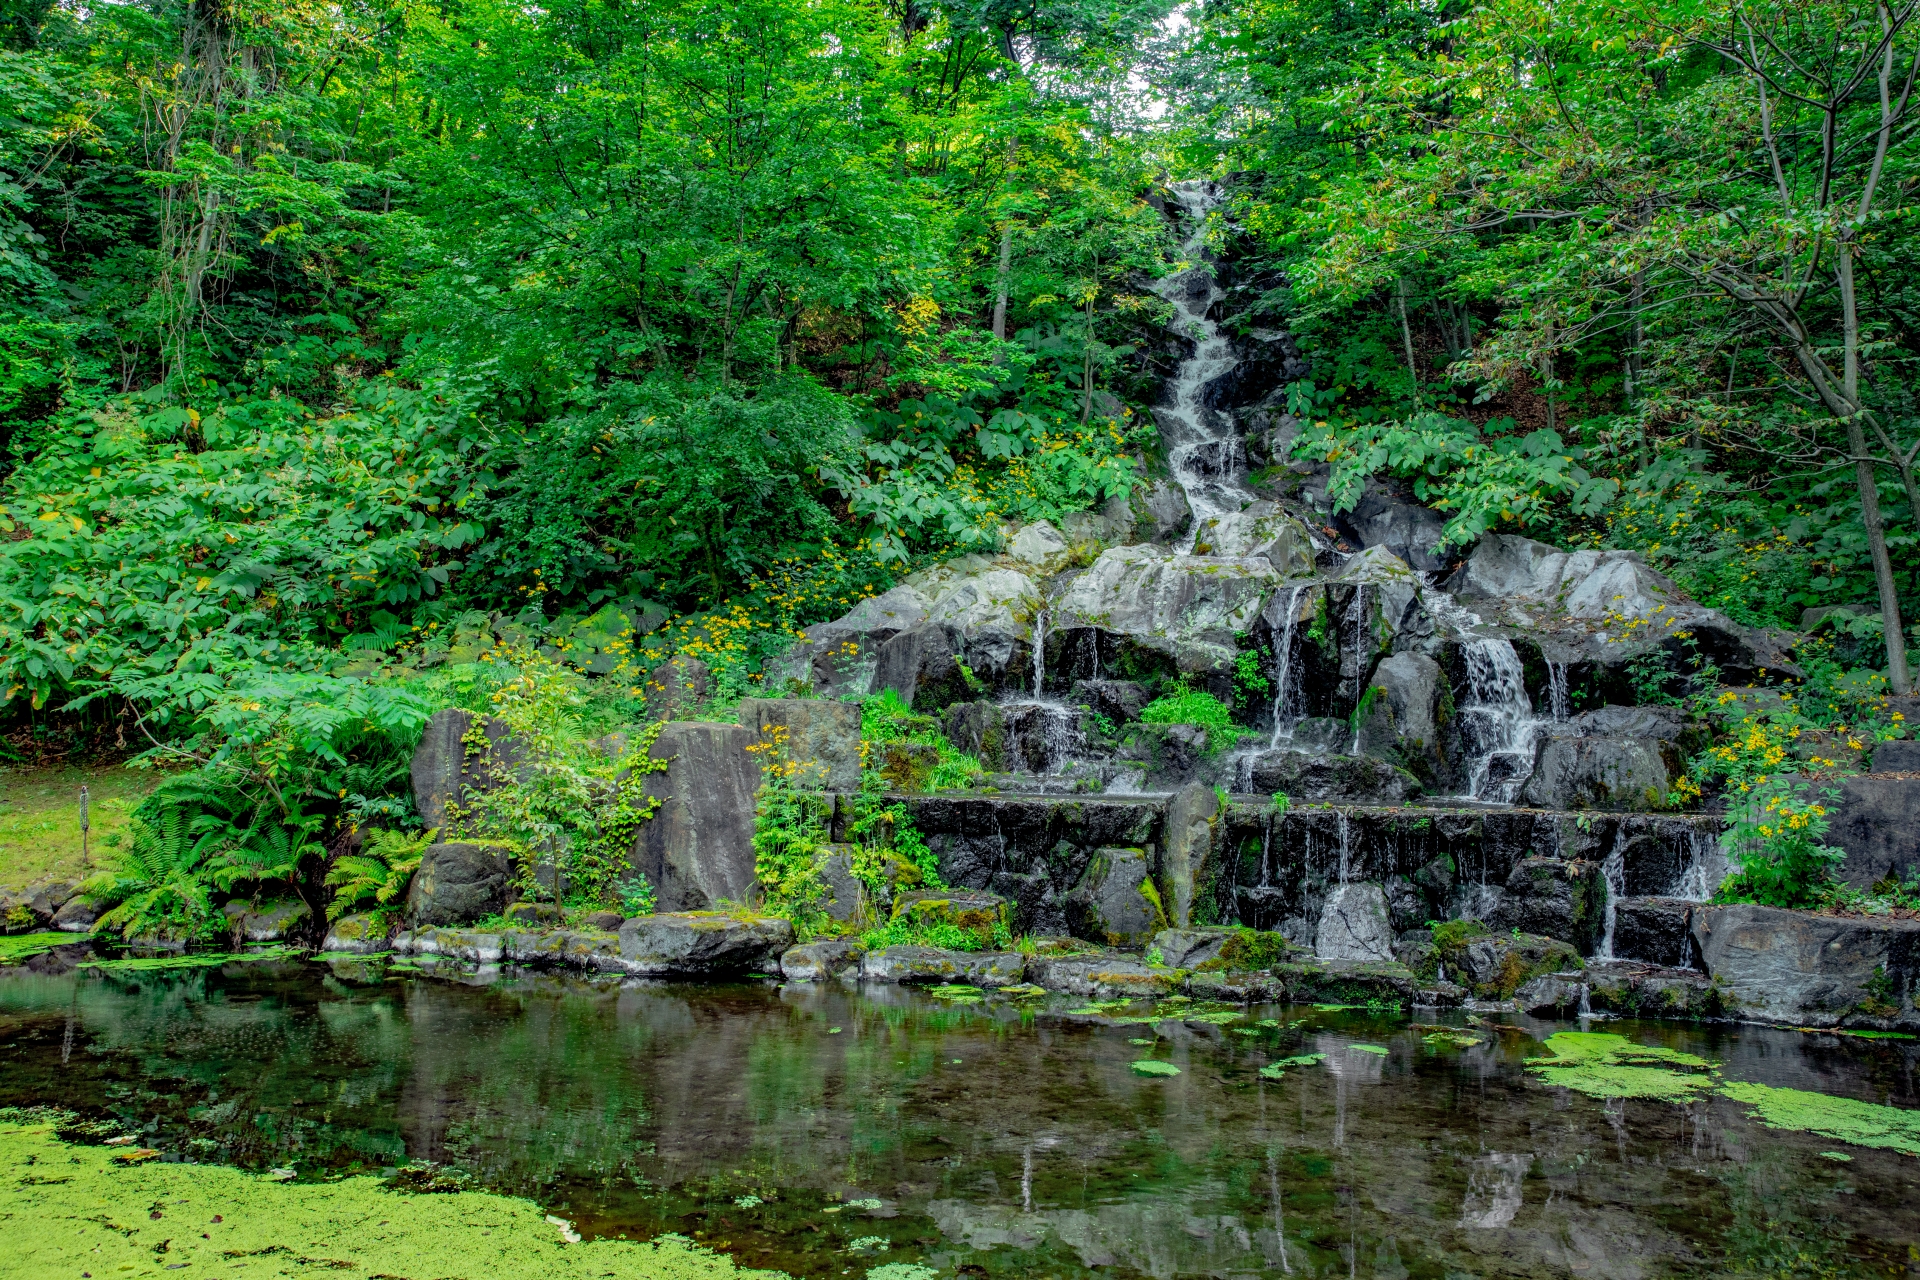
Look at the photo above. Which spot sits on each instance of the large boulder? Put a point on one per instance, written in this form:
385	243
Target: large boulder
924	667
265	921
701	944
1596	773
1187	608
1100	976
1354	924
1409	531
1188	948
933	966
818	961
1039	544
837	658
697	849
446	766
359	935
1796	967
1403	718
1263	530
459	881
1120	701
678	688
1312	778
1612	605
820	738
1495	966
1877	821
1186	852
1116	901
1555	898
1654	931
76	915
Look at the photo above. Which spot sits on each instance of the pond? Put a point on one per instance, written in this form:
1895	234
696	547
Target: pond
827	1131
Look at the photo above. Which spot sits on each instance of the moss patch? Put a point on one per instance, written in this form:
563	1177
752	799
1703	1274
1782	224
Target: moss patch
1864	1124
189	960
24	946
148	1217
1154	1067
1609	1066
40	819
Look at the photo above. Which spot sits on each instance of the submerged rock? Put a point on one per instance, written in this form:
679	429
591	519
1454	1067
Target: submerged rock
698	944
933	965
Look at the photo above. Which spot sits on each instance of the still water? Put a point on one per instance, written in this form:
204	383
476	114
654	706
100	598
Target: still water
824	1130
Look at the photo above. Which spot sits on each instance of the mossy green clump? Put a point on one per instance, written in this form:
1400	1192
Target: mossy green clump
1275	1070
1370	1048
1215	1017
89	1215
187	960
1154	1067
1247	949
25	946
1610	1066
1864	1124
958	992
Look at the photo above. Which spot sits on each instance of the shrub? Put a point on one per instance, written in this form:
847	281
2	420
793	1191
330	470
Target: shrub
1189	706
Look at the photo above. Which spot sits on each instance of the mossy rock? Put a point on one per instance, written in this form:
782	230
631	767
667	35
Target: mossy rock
908	766
973	911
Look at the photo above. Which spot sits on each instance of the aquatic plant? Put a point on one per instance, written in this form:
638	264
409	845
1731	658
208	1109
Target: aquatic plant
1609	1066
1864	1124
1154	1067
24	946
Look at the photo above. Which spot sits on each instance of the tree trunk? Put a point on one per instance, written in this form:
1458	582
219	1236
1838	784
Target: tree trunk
1406	336
1897	675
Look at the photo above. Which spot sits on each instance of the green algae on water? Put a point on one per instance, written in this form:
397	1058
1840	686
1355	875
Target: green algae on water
1154	1067
1370	1048
1864	1124
1275	1070
25	946
353	1226
1609	1066
186	960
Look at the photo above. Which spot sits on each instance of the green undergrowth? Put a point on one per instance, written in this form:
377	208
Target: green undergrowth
91	1215
25	946
887	721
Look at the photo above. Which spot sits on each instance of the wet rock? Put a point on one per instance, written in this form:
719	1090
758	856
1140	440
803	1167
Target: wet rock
697	849
820	738
1186	607
1103	977
605	921
922	666
973	911
1494	967
1235	987
678	688
470	945
458	882
1660	724
1596	773
534	915
1038	544
1551	995
1175	753
1410	531
59	960
979	729
1654	931
45	897
1311	778
1263	530
266	921
1349	982
1776	965
1877	821
846	899
360	935
1184	948
1116	902
1557	899
445	766
932	965
697	944
988	609
1648	991
1120	701
1402	723
1187	850
1408	906
818	961
1354	925
1161	512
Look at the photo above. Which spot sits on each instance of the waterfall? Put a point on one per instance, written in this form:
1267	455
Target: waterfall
1557	691
1203	449
1040	653
1362	634
1614	871
1346	854
1283	663
1706	866
1586	1006
1498	720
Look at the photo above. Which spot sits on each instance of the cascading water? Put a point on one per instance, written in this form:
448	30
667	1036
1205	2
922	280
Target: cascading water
1203	449
1557	691
1362	650
1613	869
1706	866
1040	653
1283	672
1498	721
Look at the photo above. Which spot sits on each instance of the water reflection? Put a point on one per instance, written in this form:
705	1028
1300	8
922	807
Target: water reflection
824	1131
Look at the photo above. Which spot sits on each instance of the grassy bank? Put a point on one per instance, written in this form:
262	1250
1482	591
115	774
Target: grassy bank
40	816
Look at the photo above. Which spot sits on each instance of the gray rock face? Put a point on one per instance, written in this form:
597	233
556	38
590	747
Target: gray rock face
1596	773
699	945
697	850
1186	607
358	935
1403	722
922	666
76	915
818	961
1878	823
1263	531
1120	701
1187	852
1038	544
1111	903
1183	948
1495	967
931	965
1175	753
444	767
1411	532
1310	778
1776	965
1654	930
1161	512
1897	757
1555	899
1657	724
1102	977
836	659
458	882
820	737
846	894
266	922
1354	925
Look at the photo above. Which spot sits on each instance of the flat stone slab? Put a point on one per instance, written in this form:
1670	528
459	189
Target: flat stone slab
1190	948
1803	969
933	965
361	935
1101	976
701	944
818	961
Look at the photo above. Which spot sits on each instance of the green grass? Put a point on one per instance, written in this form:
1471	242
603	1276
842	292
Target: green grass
1189	706
40	817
